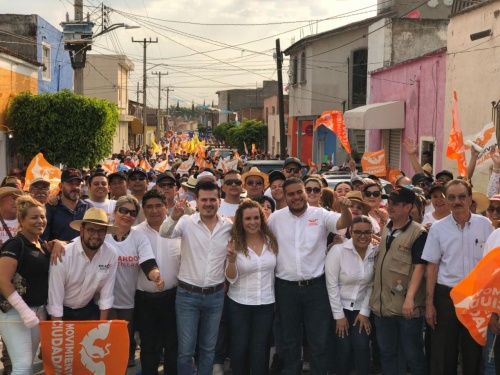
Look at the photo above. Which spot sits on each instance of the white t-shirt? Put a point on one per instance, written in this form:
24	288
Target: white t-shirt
108	205
227	209
428	218
12	226
132	251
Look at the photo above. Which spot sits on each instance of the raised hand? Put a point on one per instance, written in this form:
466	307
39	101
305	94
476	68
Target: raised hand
231	252
410	146
495	157
178	209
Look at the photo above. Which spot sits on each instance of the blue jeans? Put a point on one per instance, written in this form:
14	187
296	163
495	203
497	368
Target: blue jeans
21	341
250	333
198	317
306	306
489	366
354	346
408	333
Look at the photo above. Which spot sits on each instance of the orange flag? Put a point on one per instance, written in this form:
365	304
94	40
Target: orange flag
478	295
110	165
254	149
455	149
311	164
144	165
334	120
161	166
394	175
84	347
374	163
39	167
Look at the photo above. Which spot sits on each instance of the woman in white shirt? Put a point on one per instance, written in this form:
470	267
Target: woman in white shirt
349	271
438	201
251	259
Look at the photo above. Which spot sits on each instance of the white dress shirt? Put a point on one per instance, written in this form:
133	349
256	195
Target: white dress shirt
349	279
456	250
132	251
492	242
168	257
302	241
254	281
202	252
76	280
108	205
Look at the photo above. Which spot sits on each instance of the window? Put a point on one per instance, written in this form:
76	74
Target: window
295	67
303	66
273	111
359	77
47	70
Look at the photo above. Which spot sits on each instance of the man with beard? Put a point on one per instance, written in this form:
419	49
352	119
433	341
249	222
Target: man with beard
68	208
301	294
200	293
255	182
88	270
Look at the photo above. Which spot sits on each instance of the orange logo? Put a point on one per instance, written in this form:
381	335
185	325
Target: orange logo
374	163
312	222
39	167
483	138
84	347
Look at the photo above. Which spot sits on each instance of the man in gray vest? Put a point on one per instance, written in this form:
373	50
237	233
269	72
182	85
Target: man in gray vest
398	297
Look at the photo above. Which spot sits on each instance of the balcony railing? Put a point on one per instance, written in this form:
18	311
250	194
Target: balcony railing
459	5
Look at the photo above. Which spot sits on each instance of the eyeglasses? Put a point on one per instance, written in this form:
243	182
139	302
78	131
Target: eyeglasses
125	210
492	209
233	181
135	178
460	197
41	188
294	170
424	183
254	182
314	190
169	185
375	194
359	233
100	232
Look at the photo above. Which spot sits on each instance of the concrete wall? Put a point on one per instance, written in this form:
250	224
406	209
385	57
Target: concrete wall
473	72
421	85
18	33
439	9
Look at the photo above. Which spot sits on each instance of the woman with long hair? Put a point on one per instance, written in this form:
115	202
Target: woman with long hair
313	188
28	256
349	270
251	260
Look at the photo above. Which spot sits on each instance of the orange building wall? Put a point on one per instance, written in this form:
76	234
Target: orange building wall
11	84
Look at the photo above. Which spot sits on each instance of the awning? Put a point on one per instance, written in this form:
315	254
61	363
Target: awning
136	126
387	115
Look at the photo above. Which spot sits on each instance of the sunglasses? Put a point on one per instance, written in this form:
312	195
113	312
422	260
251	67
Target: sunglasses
234	181
294	170
375	194
254	182
314	190
460	197
359	233
424	183
492	209
125	210
135	178
169	185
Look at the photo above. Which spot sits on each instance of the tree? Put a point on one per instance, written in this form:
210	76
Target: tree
202	129
250	131
70	129
220	132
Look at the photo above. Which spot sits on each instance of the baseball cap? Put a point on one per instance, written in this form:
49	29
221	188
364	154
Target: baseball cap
40	179
436	186
71	174
444	172
138	170
165	175
276	175
119	174
292	161
402	194
419	177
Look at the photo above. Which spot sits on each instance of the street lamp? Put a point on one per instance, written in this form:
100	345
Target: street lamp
9	131
114	27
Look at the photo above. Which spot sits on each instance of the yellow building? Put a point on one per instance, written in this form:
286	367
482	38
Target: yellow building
17	74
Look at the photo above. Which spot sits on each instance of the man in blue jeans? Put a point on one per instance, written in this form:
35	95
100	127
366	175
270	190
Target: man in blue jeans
398	296
200	294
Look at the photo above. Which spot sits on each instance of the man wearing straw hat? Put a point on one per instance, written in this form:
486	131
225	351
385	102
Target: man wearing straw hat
89	268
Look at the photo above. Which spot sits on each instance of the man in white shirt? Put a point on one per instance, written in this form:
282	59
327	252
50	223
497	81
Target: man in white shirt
301	293
98	191
232	187
88	270
200	295
453	248
155	310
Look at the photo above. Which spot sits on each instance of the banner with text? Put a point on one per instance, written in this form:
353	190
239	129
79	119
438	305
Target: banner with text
374	163
486	139
84	347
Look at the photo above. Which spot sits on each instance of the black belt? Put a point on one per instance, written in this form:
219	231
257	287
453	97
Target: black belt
199	289
152	295
440	288
305	282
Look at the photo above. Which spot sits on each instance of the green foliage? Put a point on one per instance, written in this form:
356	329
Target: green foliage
250	131
202	129
74	130
221	131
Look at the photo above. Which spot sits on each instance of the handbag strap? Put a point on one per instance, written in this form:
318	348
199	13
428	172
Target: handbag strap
5	227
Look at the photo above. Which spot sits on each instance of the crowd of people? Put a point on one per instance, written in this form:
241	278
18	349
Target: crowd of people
208	266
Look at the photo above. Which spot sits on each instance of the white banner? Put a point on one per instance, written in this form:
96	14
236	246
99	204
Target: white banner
486	139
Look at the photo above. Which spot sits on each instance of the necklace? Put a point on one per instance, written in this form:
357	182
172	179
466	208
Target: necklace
123	238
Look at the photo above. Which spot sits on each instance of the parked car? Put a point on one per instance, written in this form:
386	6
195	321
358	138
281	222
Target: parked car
334	179
268	166
223	152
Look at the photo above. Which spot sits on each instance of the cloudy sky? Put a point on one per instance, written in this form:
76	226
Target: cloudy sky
204	46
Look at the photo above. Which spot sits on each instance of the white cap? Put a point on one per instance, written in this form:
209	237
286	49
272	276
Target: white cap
205	176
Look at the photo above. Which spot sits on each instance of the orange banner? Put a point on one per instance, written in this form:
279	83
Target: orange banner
374	163
394	175
334	120
161	166
84	347
455	149
110	165
39	167
478	295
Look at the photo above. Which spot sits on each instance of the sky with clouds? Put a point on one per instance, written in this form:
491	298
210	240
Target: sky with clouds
204	46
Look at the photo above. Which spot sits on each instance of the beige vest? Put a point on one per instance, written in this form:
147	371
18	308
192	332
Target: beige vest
396	264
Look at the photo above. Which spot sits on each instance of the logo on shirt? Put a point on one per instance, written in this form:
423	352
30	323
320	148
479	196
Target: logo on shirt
406	248
312	222
104	267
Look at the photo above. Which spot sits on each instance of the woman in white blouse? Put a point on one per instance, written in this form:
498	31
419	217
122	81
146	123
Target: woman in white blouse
251	259
349	271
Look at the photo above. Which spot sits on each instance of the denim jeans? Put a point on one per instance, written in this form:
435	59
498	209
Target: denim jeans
408	333
354	346
250	333
489	366
222	346
306	306
21	341
198	318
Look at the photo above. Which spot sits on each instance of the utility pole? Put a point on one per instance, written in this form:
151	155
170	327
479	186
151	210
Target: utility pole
281	105
158	128
145	44
79	55
168	109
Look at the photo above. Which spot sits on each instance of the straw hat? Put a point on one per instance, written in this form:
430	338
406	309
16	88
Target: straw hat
95	216
7	190
481	201
254	171
190	183
356	197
